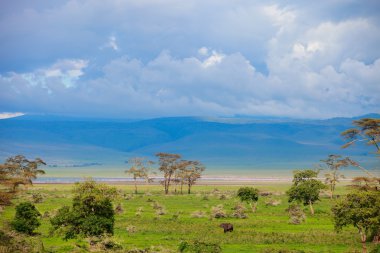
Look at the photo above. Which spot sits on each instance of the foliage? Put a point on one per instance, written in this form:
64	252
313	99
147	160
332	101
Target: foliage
249	195
17	170
218	212
360	209
366	183
366	129
239	211
140	168
168	165
305	188
103	244
189	173
13	242
297	216
199	247
333	164
26	219
92	213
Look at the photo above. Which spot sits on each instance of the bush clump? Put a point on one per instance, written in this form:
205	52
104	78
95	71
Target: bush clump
92	213
218	212
239	211
198	214
297	216
199	247
26	219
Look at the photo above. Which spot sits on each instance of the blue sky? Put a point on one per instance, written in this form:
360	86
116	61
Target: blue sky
131	59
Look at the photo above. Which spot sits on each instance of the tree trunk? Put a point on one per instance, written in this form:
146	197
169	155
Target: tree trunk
168	184
363	237
253	207
189	189
135	186
311	208
166	187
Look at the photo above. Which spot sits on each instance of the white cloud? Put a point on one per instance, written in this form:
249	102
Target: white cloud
111	43
184	86
216	57
203	51
7	115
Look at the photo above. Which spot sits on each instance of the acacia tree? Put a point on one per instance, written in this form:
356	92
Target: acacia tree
17	170
190	172
333	164
367	130
168	163
140	168
305	188
360	209
249	195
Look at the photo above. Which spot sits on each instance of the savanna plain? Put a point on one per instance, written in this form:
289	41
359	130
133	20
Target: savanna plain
151	221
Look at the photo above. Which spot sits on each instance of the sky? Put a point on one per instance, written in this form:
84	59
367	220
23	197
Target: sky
160	58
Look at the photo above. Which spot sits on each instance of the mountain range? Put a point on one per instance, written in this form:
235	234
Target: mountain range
236	145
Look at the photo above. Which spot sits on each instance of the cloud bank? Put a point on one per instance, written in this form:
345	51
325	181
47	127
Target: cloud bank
165	58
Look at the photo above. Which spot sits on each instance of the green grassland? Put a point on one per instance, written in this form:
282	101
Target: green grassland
266	230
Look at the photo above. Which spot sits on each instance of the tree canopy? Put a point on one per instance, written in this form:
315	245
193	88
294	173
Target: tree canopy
360	209
305	188
91	214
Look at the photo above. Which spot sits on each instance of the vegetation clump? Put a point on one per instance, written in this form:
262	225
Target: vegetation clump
305	188
297	216
199	247
26	219
218	212
249	195
17	170
91	213
360	209
239	211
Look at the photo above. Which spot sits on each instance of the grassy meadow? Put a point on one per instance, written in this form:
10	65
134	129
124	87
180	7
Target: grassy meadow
138	226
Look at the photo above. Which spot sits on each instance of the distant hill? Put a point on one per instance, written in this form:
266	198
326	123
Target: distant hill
226	144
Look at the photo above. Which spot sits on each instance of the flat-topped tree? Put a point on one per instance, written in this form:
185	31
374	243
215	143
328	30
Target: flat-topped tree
305	188
139	169
168	163
18	170
367	130
333	164
189	173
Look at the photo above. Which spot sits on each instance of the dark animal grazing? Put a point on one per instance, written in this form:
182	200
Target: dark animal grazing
228	227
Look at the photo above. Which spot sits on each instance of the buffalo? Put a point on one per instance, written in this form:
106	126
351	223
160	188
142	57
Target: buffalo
228	227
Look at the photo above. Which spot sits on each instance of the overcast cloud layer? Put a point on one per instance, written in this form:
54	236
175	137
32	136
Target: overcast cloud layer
168	58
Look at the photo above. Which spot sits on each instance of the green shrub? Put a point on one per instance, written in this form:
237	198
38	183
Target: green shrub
26	219
92	213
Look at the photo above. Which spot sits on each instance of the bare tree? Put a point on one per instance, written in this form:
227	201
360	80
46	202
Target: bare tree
140	169
168	165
